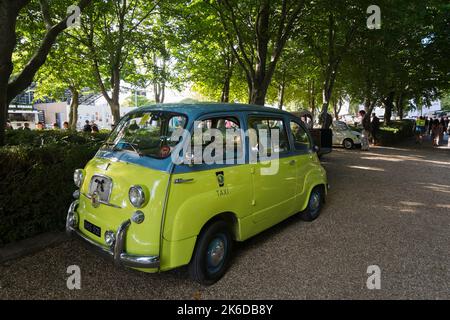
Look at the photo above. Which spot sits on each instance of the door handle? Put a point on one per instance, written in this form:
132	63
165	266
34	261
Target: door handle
183	180
292	162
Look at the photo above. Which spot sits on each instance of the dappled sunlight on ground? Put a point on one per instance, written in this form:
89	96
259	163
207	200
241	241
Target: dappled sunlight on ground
410	203
366	168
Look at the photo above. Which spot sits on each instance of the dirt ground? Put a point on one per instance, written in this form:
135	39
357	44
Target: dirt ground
388	207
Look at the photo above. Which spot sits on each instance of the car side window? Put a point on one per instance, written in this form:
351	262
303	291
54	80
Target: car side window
300	137
229	128
268	124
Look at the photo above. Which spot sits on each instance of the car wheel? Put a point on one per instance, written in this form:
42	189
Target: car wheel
212	254
348	144
315	203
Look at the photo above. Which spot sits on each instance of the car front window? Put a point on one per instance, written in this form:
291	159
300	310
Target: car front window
146	133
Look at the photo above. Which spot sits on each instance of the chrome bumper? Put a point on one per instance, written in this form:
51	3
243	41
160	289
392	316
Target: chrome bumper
116	251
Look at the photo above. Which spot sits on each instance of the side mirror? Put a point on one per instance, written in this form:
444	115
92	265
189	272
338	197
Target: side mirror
316	148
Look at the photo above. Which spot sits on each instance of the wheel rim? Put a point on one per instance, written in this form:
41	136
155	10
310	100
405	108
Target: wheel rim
314	202
217	249
347	144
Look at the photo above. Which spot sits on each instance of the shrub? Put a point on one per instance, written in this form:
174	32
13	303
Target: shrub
396	131
36	179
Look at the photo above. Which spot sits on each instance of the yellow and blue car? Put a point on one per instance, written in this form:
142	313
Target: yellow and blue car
150	202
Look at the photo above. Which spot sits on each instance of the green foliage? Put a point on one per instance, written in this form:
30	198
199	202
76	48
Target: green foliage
396	131
142	101
36	174
445	102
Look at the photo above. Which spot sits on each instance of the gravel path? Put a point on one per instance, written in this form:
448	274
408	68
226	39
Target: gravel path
388	207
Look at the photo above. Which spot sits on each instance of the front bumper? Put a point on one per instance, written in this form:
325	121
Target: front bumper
116	251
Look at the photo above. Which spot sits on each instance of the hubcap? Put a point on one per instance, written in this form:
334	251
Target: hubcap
348	144
315	201
216	253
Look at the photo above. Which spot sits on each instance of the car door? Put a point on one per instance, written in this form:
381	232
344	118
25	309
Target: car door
302	146
273	189
204	189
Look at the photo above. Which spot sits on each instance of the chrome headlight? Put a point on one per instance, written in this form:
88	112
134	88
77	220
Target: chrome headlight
78	177
137	196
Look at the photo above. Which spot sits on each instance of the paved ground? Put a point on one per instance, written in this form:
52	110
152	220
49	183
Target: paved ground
388	207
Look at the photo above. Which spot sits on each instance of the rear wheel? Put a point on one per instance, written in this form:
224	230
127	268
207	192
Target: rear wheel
212	254
315	204
348	144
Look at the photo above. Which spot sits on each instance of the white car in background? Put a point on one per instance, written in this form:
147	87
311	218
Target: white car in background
344	136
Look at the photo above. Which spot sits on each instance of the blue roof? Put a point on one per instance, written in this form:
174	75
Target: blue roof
197	109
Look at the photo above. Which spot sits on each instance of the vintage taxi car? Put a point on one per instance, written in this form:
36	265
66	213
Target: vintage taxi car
136	205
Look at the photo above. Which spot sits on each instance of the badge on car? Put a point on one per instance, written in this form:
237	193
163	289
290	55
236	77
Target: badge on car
220	178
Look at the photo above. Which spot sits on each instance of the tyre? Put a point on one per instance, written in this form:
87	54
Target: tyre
348	144
212	253
315	204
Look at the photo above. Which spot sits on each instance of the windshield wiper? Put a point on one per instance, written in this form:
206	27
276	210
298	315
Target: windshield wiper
132	145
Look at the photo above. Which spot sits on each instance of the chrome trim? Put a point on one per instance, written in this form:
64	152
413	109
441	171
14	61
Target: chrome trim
76	194
138	217
141	193
72	219
102	202
120	241
105	177
164	209
177	181
118	254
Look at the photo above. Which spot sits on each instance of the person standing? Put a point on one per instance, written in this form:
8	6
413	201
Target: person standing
8	126
365	122
94	127
87	127
441	130
430	125
375	126
420	129
435	132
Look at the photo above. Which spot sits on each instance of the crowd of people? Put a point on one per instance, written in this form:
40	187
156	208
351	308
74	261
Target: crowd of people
433	127
90	126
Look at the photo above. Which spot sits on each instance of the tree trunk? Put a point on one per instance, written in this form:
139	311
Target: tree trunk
312	97
388	105
157	92
115	110
399	105
281	91
225	96
8	16
258	93
337	106
73	116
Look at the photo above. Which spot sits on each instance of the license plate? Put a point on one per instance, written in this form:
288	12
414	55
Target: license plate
92	228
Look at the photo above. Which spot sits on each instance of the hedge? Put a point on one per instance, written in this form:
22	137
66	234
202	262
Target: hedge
36	179
396	132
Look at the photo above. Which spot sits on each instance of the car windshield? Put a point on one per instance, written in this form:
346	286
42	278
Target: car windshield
146	133
340	126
